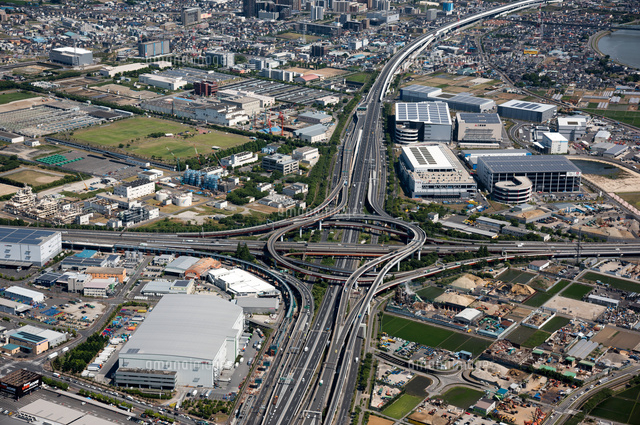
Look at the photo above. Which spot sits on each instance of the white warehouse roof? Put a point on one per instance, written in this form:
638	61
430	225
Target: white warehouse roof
24	292
241	282
468	314
193	326
429	158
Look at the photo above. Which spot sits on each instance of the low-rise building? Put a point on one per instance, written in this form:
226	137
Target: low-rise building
118	273
307	155
280	162
10	137
239	159
315	117
159	81
135	189
99	287
241	283
313	134
295	188
554	143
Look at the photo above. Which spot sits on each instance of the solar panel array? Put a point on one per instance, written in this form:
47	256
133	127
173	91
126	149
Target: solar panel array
528	164
527	106
25	236
423	156
426	112
480	118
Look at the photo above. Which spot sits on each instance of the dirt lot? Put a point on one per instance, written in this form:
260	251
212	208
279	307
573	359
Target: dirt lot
576	308
32	176
376	420
6	189
615	337
326	72
628	182
20	104
125	91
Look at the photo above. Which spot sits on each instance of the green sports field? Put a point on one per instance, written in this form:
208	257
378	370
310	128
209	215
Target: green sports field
13	96
624	407
402	406
135	133
528	337
625	285
555	324
576	291
432	336
538	299
461	396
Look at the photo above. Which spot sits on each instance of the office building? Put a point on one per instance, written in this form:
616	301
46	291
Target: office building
221	59
317	13
546	173
478	129
190	16
135	189
573	128
423	122
527	111
151	49
553	144
434	171
249	9
471	156
460	101
432	14
28	246
72	56
280	162
200	336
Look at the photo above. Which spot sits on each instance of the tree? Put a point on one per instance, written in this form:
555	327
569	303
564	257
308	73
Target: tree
243	253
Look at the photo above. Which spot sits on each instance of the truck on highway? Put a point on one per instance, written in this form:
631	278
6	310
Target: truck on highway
52	356
320	382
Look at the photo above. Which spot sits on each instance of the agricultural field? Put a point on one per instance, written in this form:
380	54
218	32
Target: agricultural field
576	291
402	406
461	397
538	299
555	324
417	386
624	407
628	117
625	285
528	337
632	198
132	135
13	96
432	336
360	77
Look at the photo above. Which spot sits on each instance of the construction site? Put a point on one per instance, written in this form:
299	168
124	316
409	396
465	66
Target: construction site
48	209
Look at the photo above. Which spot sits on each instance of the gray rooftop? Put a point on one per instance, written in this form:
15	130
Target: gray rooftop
181	264
427	112
492	152
25	236
479	118
527	106
315	115
193	326
314	130
528	164
420	89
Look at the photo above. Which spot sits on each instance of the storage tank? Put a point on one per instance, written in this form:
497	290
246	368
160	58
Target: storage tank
183	200
162	195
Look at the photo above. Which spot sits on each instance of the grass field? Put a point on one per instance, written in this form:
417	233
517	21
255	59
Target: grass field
461	397
632	198
528	337
13	96
625	285
360	77
538	299
432	336
515	276
555	324
629	117
33	177
402	406
576	291
624	407
135	131
558	287
430	293
296	36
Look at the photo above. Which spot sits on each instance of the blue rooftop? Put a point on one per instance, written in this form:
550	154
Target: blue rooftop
87	253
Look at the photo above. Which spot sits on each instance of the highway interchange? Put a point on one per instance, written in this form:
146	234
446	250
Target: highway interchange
313	378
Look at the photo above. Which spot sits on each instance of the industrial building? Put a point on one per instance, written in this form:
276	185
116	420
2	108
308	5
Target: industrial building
253	305
159	81
13	307
180	265
434	171
24	295
241	283
423	122
280	162
135	189
117	273
53	338
28	245
459	101
609	150
200	336
99	287
546	173
239	159
315	117
150	49
11	137
573	128
553	144
313	134
482	130
20	382
72	56
527	111
307	155
163	287
471	156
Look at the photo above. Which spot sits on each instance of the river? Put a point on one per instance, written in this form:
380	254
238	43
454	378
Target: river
622	46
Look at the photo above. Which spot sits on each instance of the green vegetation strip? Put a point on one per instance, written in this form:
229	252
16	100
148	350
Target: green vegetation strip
576	291
402	406
625	285
555	324
12	97
432	336
461	397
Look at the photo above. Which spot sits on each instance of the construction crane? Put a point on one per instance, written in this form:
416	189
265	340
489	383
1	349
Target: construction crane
85	184
176	158
281	117
197	156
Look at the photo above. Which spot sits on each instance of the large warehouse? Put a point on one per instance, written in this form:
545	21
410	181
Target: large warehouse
573	128
481	130
72	56
527	111
241	283
434	171
471	156
459	101
423	122
27	245
195	336
547	173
